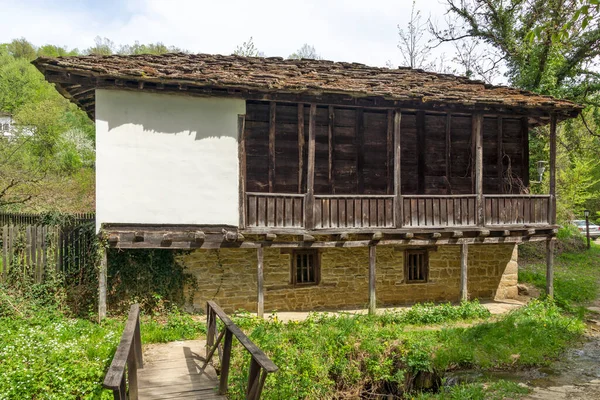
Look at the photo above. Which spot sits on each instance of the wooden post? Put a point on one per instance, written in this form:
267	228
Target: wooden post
421	139
464	255
300	145
525	147
260	281
372	278
448	152
500	154
397	170
309	203
331	145
242	169
552	211
550	267
478	139
272	121
360	151
102	272
226	361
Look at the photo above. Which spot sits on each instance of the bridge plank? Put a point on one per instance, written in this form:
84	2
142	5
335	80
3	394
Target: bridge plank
172	371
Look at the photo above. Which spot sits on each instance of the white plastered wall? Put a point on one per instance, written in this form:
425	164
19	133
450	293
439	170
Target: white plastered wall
166	159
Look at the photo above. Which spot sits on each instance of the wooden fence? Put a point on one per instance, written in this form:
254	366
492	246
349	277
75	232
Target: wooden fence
32	246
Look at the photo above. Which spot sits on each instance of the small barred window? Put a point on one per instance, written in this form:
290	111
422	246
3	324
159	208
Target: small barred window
305	267
416	266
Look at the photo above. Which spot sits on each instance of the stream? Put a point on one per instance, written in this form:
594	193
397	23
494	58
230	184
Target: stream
575	376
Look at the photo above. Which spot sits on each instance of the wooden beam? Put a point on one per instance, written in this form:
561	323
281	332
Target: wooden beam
308	238
242	169
272	122
397	170
448	152
360	151
309	202
550	268
270	237
260	309
421	152
372	279
478	139
102	274
300	146
331	145
464	255
390	152
525	150
552	210
500	154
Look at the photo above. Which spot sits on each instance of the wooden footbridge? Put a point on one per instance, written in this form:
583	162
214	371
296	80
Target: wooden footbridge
179	371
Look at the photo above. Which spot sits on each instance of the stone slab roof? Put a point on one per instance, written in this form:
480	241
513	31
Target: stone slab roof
250	76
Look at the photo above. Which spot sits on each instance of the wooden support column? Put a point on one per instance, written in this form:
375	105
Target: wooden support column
272	122
300	146
102	273
372	279
331	144
389	147
360	151
550	267
464	255
552	210
260	309
421	152
525	149
500	155
448	153
242	169
397	171
309	202
478	140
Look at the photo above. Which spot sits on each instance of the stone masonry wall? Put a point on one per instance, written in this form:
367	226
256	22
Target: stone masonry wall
228	276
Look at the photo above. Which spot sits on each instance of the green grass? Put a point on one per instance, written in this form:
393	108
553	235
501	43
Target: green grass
45	354
576	275
498	390
327	356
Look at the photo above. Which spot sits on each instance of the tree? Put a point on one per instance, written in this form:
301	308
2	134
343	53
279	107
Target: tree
102	47
553	64
414	51
150	48
21	48
248	49
306	51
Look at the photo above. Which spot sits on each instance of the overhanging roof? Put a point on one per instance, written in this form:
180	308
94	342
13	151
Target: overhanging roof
274	78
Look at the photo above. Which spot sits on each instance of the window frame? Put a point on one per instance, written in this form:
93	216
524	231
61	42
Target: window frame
294	267
425	253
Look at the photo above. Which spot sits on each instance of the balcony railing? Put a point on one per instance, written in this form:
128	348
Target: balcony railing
354	211
275	210
517	209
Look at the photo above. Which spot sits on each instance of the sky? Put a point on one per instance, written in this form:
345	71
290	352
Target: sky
364	31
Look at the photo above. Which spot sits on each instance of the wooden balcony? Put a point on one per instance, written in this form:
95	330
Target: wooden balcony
360	212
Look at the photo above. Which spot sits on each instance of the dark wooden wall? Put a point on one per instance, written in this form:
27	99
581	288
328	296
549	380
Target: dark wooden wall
354	151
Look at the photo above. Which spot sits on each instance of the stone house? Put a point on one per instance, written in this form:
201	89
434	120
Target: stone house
305	184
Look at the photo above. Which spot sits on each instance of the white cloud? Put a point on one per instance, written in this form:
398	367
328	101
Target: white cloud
348	30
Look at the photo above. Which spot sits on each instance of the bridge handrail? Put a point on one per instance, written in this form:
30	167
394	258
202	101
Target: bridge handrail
129	354
260	364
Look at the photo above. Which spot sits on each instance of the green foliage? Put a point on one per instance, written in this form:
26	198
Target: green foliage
575	276
498	390
332	356
152	278
44	354
248	49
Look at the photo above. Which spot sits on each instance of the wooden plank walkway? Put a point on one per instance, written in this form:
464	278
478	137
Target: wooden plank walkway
172	371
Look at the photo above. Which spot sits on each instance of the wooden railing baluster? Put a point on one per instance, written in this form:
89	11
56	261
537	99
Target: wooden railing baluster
260	364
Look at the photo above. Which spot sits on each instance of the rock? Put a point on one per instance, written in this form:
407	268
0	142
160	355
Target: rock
523	290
